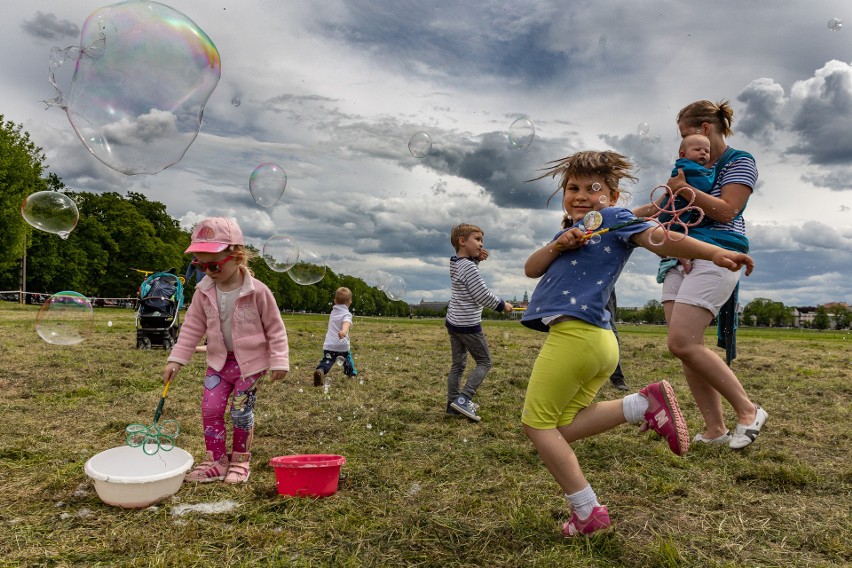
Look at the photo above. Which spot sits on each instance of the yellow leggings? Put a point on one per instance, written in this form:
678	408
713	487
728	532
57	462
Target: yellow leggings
575	360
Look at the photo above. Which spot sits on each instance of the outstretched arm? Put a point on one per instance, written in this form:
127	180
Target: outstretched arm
687	247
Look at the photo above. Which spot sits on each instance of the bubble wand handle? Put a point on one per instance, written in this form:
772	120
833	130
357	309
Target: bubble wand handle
159	410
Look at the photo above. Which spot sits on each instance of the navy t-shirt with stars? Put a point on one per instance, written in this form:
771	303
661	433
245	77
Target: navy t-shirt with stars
579	282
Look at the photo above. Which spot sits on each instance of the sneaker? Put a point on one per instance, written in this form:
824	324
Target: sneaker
464	405
452	411
664	417
318	378
209	470
723	439
598	520
744	434
618	383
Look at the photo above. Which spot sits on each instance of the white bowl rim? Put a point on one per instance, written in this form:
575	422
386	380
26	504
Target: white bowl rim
182	469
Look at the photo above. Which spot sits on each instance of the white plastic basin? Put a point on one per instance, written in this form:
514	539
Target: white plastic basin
128	477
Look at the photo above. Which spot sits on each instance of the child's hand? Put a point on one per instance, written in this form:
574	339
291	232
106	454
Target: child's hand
342	333
171	371
507	307
483	254
573	238
277	375
733	261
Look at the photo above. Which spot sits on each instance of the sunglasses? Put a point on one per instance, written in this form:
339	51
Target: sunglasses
211	266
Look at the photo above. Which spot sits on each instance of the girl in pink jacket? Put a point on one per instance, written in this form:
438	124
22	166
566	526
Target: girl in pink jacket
245	338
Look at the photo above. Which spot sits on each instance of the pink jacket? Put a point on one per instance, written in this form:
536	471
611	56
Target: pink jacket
258	333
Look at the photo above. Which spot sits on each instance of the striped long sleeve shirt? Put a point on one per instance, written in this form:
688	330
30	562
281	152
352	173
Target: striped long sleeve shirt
469	296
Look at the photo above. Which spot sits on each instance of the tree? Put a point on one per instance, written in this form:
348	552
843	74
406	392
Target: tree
821	319
841	317
765	312
653	312
21	168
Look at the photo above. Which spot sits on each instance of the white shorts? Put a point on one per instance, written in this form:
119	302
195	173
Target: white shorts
707	286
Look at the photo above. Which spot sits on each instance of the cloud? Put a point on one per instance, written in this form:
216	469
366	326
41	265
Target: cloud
48	26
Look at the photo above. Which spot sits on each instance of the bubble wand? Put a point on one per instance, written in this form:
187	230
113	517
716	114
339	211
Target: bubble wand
593	219
157	436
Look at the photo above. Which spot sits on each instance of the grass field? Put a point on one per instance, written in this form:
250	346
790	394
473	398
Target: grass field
419	489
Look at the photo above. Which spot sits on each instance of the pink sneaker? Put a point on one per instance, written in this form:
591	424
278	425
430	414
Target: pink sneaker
209	470
663	416
598	520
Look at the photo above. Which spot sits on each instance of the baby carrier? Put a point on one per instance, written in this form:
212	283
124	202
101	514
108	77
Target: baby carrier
158	314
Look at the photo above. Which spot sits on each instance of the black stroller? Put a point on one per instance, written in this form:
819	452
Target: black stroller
158	314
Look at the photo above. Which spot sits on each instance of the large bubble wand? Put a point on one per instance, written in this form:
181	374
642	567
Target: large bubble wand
158	436
675	219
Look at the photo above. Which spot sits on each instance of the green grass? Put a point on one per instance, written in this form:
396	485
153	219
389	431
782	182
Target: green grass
419	489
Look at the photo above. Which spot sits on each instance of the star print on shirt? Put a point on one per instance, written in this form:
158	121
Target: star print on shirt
607	250
599	282
584	307
573	263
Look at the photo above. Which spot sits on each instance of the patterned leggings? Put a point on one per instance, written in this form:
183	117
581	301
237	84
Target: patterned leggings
218	387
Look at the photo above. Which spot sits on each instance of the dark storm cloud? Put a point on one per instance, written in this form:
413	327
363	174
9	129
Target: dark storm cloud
48	26
817	113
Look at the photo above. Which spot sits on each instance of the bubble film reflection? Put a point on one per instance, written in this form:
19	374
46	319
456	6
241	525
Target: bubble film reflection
310	268
66	318
51	211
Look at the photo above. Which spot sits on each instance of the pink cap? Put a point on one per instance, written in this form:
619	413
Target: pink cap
215	235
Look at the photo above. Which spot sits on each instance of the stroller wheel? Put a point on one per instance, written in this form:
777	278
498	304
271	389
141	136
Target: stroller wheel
143	343
168	343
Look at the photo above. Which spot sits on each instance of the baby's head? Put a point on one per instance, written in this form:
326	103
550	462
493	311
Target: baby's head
695	147
220	237
343	295
463	231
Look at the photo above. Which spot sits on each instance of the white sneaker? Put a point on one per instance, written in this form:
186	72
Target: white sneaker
723	439
746	434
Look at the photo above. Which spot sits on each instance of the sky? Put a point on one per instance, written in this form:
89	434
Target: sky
332	92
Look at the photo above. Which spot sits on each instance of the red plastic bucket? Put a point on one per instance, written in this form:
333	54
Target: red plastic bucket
307	475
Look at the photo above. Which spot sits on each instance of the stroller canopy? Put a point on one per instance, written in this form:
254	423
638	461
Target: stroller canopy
160	289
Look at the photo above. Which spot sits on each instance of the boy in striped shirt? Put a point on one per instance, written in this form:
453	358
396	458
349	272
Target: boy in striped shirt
464	319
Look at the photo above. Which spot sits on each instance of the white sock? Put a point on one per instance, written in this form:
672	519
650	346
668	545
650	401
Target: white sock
634	407
583	501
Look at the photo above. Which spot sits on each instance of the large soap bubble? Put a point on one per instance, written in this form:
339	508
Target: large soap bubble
280	252
267	183
51	211
144	72
393	286
66	318
309	270
521	132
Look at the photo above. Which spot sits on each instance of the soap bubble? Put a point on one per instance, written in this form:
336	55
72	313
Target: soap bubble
267	183
109	323
66	318
393	286
280	252
835	24
309	269
594	239
521	132
643	129
144	72
377	279
236	101
339	361
51	211
420	145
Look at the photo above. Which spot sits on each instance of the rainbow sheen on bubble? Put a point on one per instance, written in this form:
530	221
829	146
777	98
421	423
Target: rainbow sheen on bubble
280	252
267	184
420	144
51	211
521	132
66	318
144	73
310	268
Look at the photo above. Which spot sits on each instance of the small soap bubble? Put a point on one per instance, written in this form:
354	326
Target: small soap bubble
66	318
267	184
109	323
643	129
340	419
369	426
236	102
326	384
280	252
301	390
603	199
51	211
310	268
143	74
420	144
505	335
521	132
573	300
596	187
594	239
835	24
339	361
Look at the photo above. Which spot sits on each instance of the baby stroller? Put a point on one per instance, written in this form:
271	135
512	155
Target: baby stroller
158	315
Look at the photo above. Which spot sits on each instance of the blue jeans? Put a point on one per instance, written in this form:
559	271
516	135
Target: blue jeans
461	344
